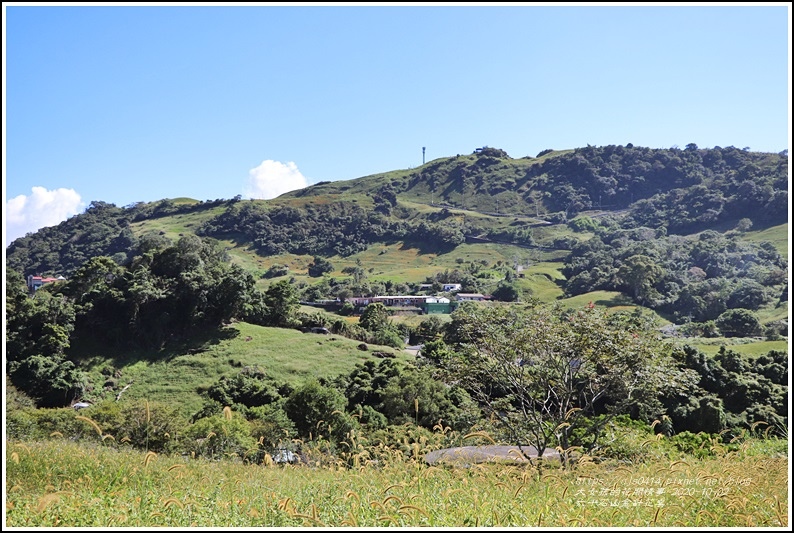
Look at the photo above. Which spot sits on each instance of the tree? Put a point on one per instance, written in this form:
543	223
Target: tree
415	396
749	294
39	325
281	299
428	330
744	225
640	272
538	370
320	266
506	292
739	323
316	409
375	317
50	380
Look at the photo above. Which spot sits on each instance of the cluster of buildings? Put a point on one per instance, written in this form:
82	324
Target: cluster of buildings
428	305
423	304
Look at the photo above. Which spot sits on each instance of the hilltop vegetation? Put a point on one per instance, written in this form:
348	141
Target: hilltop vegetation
683	191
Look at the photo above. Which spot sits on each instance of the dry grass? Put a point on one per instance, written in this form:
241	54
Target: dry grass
67	484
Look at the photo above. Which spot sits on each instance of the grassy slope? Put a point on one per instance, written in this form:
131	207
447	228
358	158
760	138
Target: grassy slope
287	355
777	235
749	347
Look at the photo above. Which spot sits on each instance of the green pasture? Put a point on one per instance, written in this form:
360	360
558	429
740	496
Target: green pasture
285	354
172	226
747	347
777	235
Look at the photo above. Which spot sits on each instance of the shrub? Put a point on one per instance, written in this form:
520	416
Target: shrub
620	438
275	271
739	323
697	444
220	436
272	428
315	409
151	426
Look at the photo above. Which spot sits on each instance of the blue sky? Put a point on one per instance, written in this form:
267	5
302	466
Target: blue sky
126	103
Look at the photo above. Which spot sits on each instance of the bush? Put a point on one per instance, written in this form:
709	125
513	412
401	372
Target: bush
220	436
700	329
620	438
150	426
41	424
697	444
739	323
506	292
316	409
252	386
272	428
583	223
319	267
388	337
347	309
275	271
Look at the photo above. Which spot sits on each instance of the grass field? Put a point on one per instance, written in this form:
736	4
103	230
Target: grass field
285	354
173	225
749	347
58	483
777	235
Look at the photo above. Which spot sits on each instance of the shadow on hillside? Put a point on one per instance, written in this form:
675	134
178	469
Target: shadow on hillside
620	299
424	247
413	245
197	342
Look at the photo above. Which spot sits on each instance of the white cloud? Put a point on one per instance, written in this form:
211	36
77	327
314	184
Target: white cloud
273	178
25	214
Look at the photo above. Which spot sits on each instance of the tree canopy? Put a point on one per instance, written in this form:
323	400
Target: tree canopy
538	370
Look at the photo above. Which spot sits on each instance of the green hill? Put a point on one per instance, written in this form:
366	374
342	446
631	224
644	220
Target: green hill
685	234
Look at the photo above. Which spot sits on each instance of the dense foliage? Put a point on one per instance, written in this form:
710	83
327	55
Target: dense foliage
695	278
339	228
729	391
677	191
103	229
685	190
170	293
